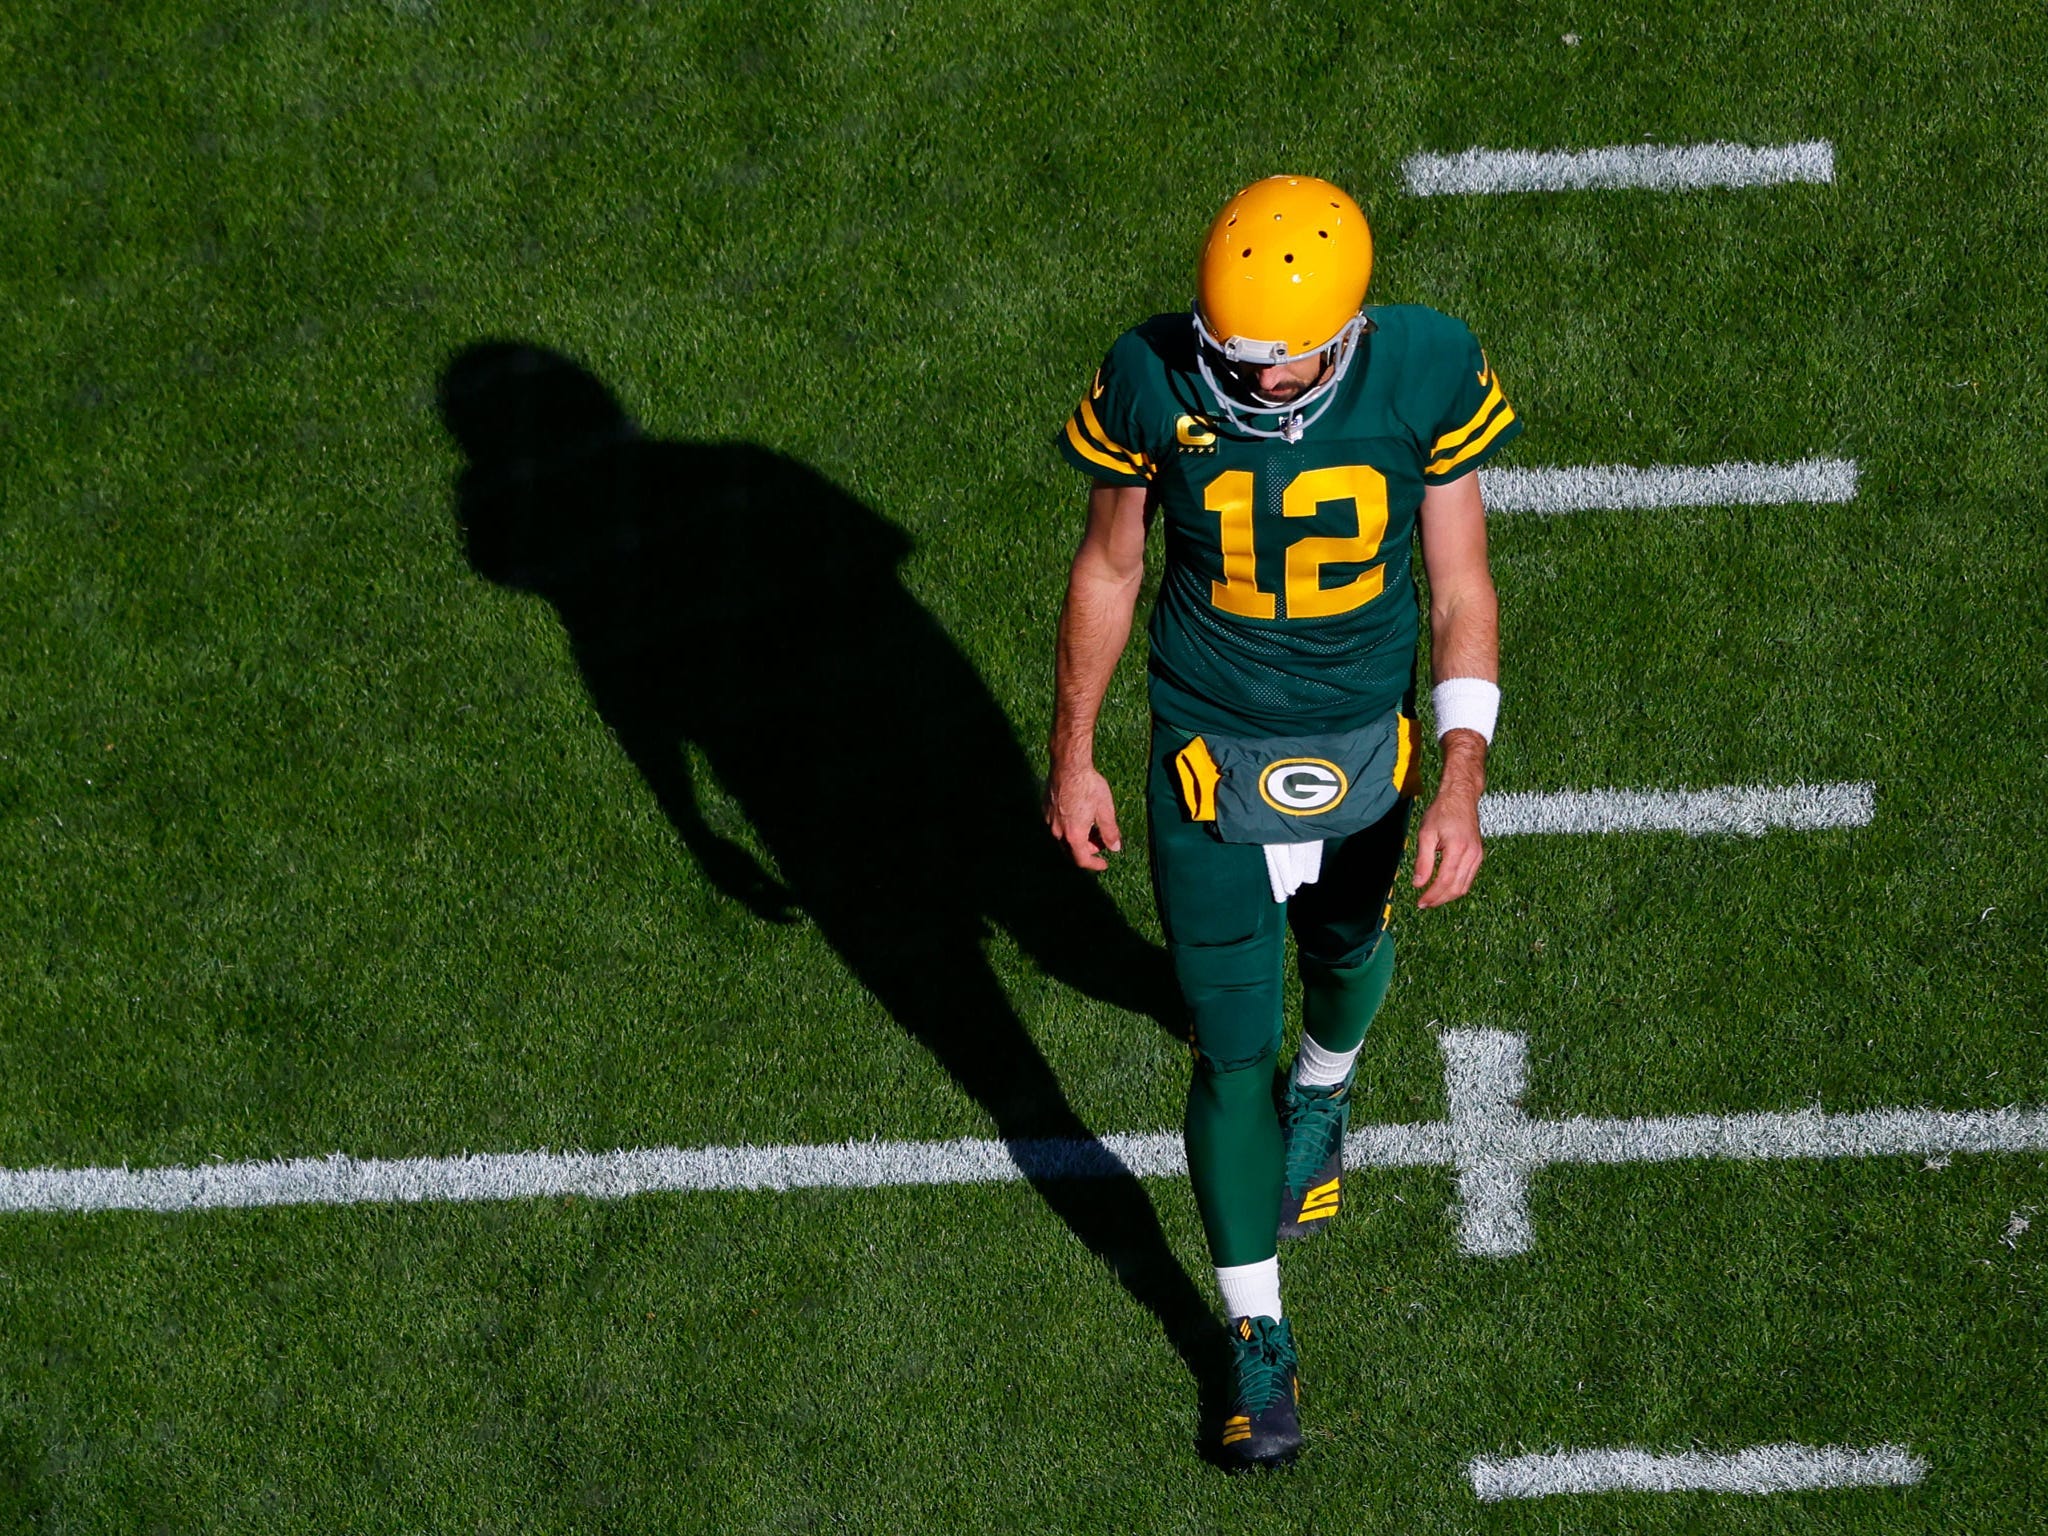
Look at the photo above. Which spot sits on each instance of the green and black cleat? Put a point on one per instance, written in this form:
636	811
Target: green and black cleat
1263	1425
1312	1124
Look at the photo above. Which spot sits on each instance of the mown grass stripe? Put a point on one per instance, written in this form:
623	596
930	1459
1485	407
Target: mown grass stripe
1621	487
1759	1469
1653	167
1747	810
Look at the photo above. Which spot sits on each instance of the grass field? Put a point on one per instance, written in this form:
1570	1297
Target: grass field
314	836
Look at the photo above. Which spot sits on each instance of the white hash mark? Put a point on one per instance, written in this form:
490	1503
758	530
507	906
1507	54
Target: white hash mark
1549	490
1654	167
1757	1470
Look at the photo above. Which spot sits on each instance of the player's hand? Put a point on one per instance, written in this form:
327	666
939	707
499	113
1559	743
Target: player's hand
1081	813
1448	850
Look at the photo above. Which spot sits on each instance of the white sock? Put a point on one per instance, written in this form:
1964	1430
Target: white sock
1251	1290
1315	1067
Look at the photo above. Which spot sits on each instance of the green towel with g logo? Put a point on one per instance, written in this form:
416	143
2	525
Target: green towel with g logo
1297	789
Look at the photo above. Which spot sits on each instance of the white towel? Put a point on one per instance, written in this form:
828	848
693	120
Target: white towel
1290	866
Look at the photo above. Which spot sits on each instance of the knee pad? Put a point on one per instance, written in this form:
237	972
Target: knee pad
1233	995
1362	966
1239	1087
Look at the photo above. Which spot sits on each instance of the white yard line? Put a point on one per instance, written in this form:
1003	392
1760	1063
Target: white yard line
339	1179
1489	1143
1497	1147
1623	487
1759	1469
1657	167
1746	809
1485	1071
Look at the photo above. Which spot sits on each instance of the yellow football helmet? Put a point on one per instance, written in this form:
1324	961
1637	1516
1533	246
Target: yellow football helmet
1282	276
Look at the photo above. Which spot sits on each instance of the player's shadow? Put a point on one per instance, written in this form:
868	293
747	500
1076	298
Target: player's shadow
726	596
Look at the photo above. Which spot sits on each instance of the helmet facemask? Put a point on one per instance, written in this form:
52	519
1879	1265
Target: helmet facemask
1223	361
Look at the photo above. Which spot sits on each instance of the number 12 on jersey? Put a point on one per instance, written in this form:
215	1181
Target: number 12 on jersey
1231	496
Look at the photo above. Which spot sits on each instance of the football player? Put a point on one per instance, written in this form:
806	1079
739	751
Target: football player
1295	444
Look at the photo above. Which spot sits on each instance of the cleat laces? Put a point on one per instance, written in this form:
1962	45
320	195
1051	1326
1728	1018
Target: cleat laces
1265	1364
1308	1117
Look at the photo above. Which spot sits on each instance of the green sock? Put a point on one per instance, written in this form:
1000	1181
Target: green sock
1337	1005
1234	1161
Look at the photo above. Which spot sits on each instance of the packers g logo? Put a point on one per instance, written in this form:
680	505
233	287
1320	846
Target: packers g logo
1302	786
1193	432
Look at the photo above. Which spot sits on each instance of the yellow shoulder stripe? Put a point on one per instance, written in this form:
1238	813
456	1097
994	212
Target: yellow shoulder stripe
1451	440
1095	455
1092	425
1476	446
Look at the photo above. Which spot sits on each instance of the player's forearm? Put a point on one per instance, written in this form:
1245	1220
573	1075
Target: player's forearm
1464	765
1464	641
1464	634
1095	625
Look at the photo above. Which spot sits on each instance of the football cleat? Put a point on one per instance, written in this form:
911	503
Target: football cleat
1312	1125
1263	1425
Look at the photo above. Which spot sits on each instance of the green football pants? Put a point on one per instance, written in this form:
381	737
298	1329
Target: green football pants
1227	939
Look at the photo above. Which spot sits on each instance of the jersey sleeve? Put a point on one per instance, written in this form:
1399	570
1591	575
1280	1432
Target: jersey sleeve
1105	437
1476	422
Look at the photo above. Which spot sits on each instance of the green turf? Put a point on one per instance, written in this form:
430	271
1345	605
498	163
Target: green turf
311	837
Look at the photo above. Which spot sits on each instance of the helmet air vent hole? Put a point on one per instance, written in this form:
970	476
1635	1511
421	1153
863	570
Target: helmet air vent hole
1324	233
1247	250
1290	256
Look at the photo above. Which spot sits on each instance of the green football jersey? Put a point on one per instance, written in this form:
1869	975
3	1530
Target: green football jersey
1288	603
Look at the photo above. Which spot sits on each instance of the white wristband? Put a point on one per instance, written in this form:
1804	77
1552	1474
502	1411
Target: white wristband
1466	704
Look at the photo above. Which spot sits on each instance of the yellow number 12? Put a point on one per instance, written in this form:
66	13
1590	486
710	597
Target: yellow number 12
1231	496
